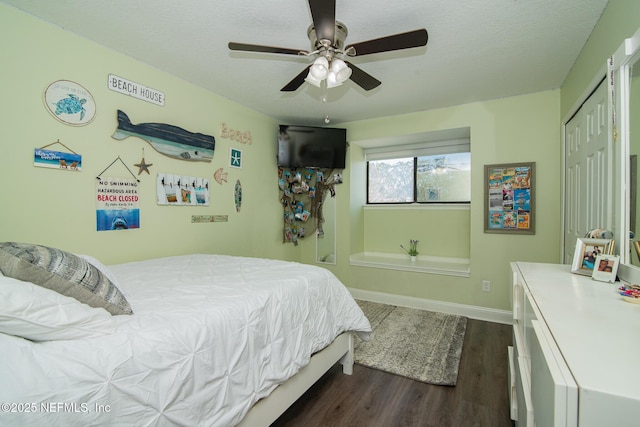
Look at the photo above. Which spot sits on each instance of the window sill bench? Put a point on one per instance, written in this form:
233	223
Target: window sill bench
424	264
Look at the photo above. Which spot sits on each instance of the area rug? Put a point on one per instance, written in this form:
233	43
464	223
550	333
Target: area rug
422	345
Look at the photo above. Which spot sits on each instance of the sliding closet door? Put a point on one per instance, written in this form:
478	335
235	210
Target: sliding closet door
588	198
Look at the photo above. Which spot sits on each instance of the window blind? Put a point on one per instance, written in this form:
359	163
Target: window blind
432	148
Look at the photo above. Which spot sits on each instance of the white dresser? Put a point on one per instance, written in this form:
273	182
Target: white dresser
575	359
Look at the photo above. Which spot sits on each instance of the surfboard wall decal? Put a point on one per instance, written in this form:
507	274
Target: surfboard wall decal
169	140
237	195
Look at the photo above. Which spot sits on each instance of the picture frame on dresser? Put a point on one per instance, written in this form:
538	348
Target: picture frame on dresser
606	268
586	252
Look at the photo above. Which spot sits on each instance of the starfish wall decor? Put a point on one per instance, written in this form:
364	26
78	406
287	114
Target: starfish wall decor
142	166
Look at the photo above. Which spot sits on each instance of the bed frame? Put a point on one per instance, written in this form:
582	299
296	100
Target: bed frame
267	410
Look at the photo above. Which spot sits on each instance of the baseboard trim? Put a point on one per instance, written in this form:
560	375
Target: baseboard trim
471	311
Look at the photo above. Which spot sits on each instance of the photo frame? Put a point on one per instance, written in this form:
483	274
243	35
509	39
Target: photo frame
606	268
586	252
509	198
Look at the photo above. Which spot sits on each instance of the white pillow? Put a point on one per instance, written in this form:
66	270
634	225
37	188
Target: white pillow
40	314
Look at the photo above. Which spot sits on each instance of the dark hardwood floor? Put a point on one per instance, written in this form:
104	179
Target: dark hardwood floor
372	398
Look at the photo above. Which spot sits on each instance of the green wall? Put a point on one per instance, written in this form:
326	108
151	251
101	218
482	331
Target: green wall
57	208
620	20
518	129
525	128
441	232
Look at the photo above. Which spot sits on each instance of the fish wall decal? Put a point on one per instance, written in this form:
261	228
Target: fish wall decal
169	140
220	176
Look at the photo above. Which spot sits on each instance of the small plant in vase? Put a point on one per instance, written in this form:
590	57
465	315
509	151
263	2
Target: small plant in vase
412	251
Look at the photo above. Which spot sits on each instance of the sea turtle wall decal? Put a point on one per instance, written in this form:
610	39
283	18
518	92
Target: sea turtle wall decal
69	103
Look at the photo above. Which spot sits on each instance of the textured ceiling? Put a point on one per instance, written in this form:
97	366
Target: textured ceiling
477	49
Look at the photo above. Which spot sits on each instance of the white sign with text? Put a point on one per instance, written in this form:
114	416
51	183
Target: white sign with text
124	86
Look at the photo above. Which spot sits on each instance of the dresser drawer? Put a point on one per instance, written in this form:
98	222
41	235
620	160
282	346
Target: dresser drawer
554	393
513	398
523	409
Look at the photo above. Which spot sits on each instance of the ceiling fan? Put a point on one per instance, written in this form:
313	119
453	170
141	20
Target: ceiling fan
327	38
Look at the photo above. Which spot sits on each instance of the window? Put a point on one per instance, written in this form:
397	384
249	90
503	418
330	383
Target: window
390	181
435	172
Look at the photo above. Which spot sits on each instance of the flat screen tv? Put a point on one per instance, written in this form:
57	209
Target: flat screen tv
314	147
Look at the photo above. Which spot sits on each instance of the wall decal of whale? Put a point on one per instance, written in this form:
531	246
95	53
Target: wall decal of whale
169	140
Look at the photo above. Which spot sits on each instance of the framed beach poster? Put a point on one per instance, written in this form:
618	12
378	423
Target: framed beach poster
509	198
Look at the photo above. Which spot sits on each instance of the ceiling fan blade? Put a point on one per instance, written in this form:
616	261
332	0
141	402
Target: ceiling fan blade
266	49
406	40
323	13
363	79
297	81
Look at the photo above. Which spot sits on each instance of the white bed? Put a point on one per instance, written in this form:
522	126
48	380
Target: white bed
209	337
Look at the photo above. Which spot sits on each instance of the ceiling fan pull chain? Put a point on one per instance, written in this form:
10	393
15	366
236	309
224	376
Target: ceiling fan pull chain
324	101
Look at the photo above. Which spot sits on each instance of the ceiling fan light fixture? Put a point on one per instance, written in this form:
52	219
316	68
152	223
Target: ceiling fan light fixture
341	70
312	80
320	68
327	37
332	80
321	60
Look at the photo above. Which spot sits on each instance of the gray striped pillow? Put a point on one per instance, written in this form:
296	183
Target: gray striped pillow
62	272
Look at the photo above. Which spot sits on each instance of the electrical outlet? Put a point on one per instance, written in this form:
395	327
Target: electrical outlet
486	286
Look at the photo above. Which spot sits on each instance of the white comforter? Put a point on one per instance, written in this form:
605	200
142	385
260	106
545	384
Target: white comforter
210	336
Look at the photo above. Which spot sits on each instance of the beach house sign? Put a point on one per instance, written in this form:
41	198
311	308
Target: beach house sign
136	90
